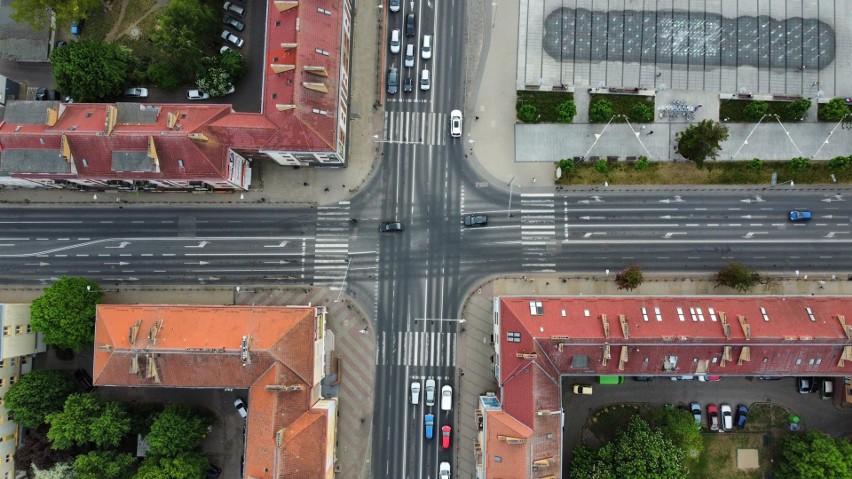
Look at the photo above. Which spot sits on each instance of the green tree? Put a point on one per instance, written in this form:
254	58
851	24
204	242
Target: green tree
813	455
797	109
62	470
183	29
642	164
755	110
630	278
528	113
602	167
37	13
839	163
65	312
643	113
165	74
834	110
600	111
188	465
798	164
566	112
567	166
85	420
91	70
700	141
638	452
35	395
233	63
679	426
176	430
755	165
214	81
104	465
735	275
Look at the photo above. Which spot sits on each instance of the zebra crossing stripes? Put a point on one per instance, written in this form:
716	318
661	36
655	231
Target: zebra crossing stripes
538	228
415	127
416	348
331	246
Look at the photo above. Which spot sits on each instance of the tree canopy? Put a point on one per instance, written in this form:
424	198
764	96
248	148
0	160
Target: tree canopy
735	275
62	470
566	112
630	278
188	465
85	420
65	313
90	70
183	29
679	426
176	430
37	13
814	455
35	395
600	111
834	110
104	465
701	140
638	452
37	450
797	109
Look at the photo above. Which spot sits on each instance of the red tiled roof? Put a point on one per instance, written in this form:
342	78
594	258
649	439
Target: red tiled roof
200	346
514	459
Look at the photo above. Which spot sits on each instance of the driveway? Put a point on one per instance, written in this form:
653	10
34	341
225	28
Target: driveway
815	413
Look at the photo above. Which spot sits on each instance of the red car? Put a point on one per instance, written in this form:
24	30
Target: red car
445	437
713	417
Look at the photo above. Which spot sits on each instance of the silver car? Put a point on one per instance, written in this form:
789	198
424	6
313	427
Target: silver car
430	392
232	39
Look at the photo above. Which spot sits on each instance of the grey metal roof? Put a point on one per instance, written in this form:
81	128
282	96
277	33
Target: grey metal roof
33	161
130	113
131	161
28	112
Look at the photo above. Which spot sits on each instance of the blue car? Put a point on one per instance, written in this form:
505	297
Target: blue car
803	215
429	422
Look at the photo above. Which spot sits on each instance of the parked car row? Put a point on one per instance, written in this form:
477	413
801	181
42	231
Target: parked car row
721	418
825	386
409	57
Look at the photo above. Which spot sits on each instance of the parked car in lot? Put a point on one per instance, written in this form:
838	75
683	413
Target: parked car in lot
241	407
84	379
233	23
800	215
429	425
582	389
415	392
445	437
475	220
446	397
706	378
235	9
727	417
643	378
430	392
742	416
695	409
136	92
232	39
713	417
803	385
44	94
826	390
196	94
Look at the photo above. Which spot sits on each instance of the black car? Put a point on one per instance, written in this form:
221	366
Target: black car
234	23
43	94
213	472
408	85
390	227
83	378
410	25
475	220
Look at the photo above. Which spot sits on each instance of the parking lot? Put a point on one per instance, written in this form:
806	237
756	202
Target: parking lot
814	412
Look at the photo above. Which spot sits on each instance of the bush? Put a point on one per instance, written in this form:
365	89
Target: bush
799	164
642	164
755	110
797	109
566	112
566	165
527	114
834	110
602	167
164	74
755	165
839	163
600	111
642	113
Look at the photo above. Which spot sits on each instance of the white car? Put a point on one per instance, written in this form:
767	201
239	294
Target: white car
425	83
409	55
727	417
232	39
446	398
136	92
456	123
395	44
426	47
430	392
241	407
444	470
230	7
196	94
415	392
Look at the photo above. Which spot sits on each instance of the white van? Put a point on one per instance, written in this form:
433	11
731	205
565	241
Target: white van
415	393
446	398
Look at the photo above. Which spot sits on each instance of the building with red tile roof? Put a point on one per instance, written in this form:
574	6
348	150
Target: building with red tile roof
276	353
539	340
167	147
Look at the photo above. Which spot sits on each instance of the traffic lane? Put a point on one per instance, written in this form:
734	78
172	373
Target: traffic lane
815	412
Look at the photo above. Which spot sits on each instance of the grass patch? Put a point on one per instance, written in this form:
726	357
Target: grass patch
734	110
546	102
719	459
768	417
608	420
623	105
713	173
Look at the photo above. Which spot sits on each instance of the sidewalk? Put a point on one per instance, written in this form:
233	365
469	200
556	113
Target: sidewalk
476	353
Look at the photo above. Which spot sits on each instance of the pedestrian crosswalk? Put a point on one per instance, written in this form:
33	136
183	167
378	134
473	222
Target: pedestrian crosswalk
538	229
415	127
416	348
331	247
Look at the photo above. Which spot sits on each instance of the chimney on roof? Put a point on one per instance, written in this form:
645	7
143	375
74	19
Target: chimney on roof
745	355
134	363
134	331
605	324
171	120
745	326
289	46
155	329
846	356
606	355
284	5
726	328
846	328
318	71
315	86
623	359
151	371
283	388
625	328
281	68
197	136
